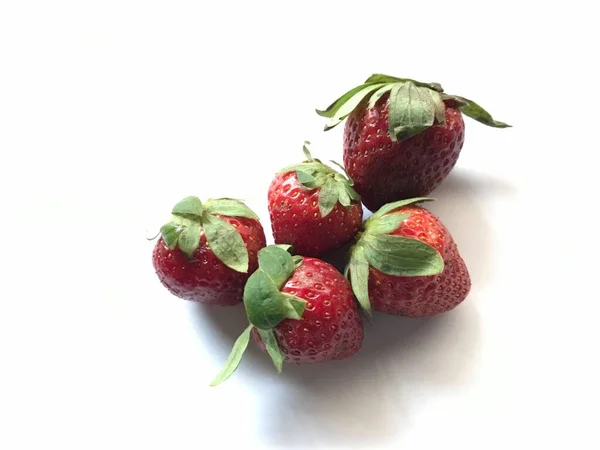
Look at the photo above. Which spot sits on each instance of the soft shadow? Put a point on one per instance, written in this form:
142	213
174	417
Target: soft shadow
361	401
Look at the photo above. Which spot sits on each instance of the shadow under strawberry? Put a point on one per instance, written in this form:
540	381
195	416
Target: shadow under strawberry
367	400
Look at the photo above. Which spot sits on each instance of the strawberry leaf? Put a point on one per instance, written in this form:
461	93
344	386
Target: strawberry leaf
189	238
235	357
412	110
226	243
170	233
270	341
386	224
293	306
328	197
189	207
277	263
358	270
229	207
401	256
395	205
262	300
474	111
381	78
344	109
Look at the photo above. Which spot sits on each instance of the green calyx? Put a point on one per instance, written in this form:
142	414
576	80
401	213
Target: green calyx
392	255
334	187
414	106
190	218
266	306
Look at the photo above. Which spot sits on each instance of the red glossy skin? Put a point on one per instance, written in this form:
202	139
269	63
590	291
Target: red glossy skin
296	219
384	171
422	296
205	278
331	327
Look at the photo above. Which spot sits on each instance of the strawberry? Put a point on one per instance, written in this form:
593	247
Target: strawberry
313	207
207	251
402	137
406	263
301	310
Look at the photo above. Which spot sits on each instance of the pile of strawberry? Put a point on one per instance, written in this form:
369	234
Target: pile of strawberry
401	139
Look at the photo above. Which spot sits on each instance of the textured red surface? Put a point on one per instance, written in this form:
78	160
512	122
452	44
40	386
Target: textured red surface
331	327
205	278
384	171
422	296
296	219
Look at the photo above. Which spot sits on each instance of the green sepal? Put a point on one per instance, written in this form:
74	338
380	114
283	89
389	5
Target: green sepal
334	186
358	271
395	205
189	207
386	224
287	247
229	207
412	110
170	233
402	256
189	238
297	260
293	306
270	341
277	263
474	111
263	302
226	243
235	357
413	105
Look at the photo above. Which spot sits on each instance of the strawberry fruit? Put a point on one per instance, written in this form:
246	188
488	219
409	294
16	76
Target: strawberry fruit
301	310
206	252
402	137
313	207
406	262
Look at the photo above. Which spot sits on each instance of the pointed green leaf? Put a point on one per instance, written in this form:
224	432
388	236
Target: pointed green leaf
297	260
277	263
189	207
306	179
386	224
474	111
307	151
335	106
343	195
343	169
234	357
287	247
350	104
229	207
226	243
401	256
170	233
395	205
328	197
270	341
440	107
189	238
380	78
293	306
262	300
359	277
378	94
411	111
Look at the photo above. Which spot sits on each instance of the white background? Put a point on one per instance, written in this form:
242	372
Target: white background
113	110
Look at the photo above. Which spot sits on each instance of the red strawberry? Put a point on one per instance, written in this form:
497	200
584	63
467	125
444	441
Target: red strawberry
313	207
407	263
301	310
207	252
402	137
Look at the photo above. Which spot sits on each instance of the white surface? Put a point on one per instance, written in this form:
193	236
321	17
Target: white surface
111	111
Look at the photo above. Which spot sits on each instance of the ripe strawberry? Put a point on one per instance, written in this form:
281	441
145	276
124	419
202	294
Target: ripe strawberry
207	252
301	310
402	137
313	207
407	263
